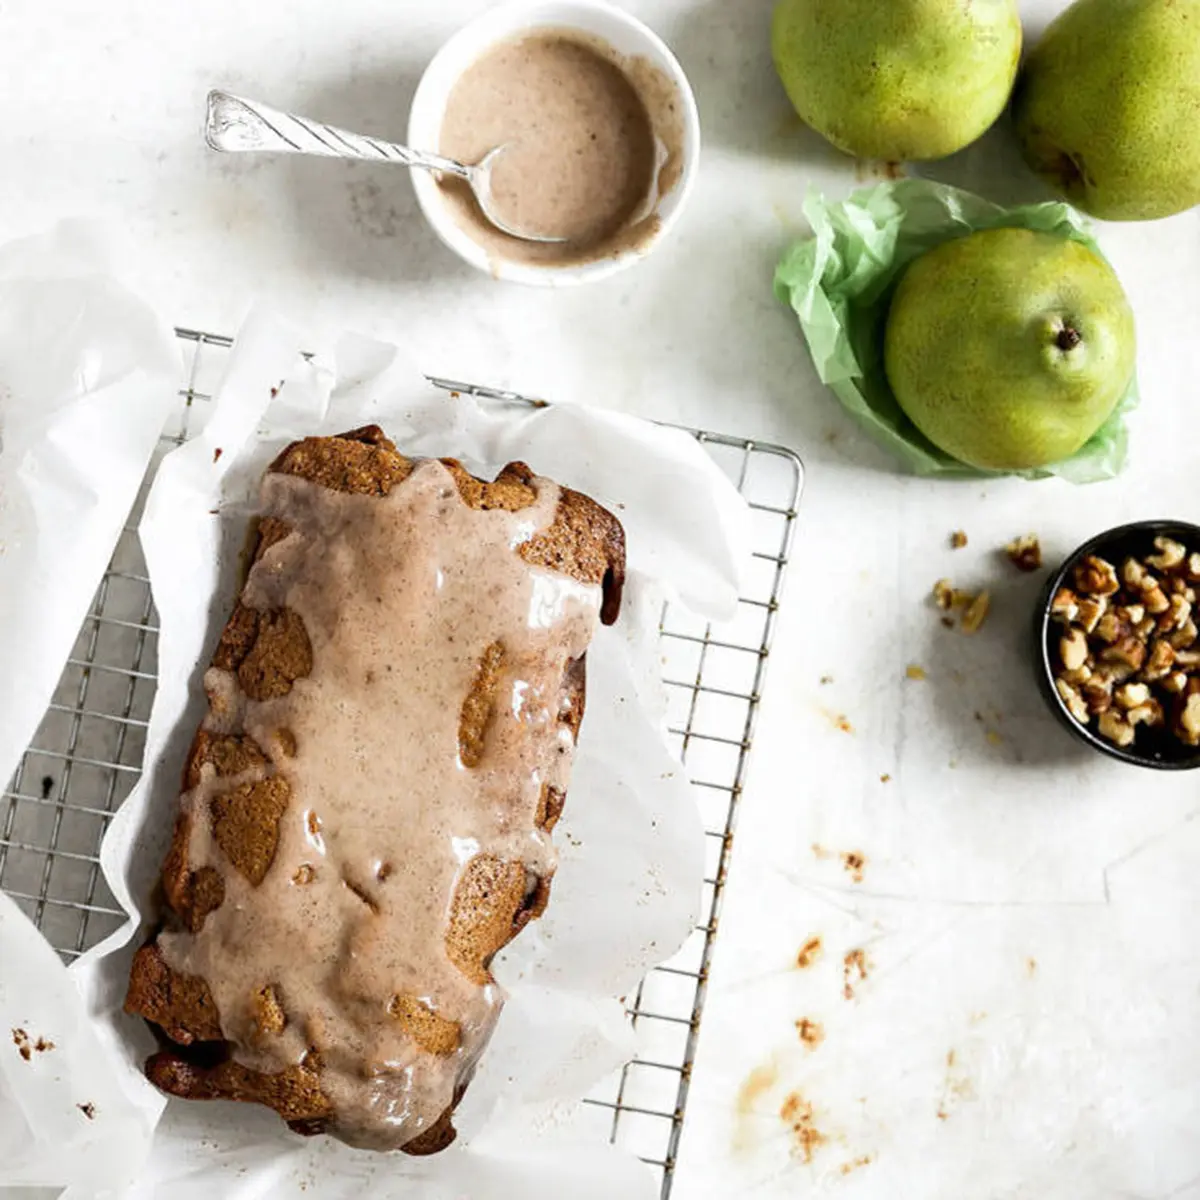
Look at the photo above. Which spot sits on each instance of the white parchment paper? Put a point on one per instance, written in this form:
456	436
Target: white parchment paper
631	843
87	379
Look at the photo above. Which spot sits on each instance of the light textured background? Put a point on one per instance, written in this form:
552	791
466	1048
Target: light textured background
1027	1027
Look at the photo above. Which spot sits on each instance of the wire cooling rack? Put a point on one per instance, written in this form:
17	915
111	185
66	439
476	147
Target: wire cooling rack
87	754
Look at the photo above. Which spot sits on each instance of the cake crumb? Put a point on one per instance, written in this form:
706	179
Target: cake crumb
958	539
24	1046
810	1032
913	671
826	680
809	953
855	970
797	1113
885	778
88	1110
863	1160
217	454
42	1045
854	862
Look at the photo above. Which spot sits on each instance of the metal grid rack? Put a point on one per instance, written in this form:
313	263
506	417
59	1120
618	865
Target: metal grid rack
87	753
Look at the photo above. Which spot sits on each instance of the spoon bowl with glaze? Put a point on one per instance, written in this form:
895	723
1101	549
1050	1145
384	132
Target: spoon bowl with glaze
235	125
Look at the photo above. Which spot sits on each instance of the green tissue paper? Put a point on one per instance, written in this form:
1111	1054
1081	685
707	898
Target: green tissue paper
839	283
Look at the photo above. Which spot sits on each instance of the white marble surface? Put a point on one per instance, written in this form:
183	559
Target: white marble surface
1028	1025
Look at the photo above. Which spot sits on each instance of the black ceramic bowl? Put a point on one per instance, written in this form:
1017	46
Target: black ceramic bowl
1158	748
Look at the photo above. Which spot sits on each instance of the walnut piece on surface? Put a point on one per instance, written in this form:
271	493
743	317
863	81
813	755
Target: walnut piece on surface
976	613
1025	552
1127	644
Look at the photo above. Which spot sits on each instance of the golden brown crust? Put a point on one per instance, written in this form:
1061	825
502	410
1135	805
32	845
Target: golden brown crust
268	652
181	1005
295	1093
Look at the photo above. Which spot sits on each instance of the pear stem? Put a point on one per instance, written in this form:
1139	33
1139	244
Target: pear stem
1068	338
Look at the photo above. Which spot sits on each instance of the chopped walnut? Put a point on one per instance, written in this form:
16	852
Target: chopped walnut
1095	577
1073	700
1065	605
1188	723
1090	610
1073	649
1170	554
1175	683
1130	695
976	613
1098	694
1129	652
1112	627
1159	662
1116	728
1185	635
1025	553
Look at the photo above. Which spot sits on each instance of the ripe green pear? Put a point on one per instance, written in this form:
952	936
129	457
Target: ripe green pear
1008	348
897	79
1107	107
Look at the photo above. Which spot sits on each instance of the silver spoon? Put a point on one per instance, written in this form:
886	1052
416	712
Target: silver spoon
237	126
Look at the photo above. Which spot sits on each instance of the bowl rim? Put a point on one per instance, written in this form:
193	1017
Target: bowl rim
473	39
1043	623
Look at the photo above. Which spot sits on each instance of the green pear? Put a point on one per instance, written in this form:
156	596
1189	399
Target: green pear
1008	348
1107	107
897	79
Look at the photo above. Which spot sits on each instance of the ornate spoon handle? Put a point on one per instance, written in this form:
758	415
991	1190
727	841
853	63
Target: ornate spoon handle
237	126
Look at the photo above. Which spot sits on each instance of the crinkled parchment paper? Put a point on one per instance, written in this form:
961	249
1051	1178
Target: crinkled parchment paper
631	843
87	379
839	283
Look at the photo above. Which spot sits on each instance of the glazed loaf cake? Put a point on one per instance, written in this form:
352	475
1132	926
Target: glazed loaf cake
367	806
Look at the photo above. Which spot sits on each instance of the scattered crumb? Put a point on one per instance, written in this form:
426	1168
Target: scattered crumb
24	1046
819	851
826	680
797	1113
217	454
42	1045
1025	553
976	613
88	1110
1031	966
455	395
912	671
994	738
958	540
942	1115
977	1018
943	594
854	862
809	953
979	716
837	720
47	786
810	1032
885	778
948	622
855	970
863	1160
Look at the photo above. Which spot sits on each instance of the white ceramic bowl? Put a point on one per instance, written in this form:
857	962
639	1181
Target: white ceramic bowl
629	38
